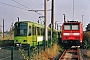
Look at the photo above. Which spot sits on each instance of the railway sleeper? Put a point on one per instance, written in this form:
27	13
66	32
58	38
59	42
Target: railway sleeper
74	54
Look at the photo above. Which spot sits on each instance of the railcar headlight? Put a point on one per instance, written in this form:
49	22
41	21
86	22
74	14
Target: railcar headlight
24	40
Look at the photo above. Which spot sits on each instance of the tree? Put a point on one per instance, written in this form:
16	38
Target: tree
11	30
88	27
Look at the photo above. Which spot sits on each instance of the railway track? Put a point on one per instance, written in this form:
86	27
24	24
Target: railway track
71	54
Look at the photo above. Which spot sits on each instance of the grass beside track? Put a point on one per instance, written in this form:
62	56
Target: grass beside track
7	37
87	55
48	54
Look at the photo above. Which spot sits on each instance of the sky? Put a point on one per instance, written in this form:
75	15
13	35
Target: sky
11	9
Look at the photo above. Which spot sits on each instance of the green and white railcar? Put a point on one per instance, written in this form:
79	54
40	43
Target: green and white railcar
27	32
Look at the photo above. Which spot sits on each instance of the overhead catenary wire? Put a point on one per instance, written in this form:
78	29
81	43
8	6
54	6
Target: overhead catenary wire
20	4
28	7
38	6
38	13
12	6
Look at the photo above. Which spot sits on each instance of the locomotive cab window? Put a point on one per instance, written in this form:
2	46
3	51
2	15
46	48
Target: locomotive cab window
67	27
75	27
71	27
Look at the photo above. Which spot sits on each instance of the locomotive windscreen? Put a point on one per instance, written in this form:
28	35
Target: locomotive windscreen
67	27
71	26
75	27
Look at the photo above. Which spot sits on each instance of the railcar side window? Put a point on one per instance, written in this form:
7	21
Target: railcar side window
75	27
38	30
30	31
41	31
33	31
66	27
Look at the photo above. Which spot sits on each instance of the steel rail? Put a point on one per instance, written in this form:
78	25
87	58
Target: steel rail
69	54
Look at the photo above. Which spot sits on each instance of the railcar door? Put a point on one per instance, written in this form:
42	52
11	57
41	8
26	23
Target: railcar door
34	41
39	35
30	35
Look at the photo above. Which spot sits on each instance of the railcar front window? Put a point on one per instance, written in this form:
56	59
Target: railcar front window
66	27
75	27
20	29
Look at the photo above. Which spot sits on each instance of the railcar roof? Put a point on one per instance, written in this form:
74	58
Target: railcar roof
36	24
28	22
25	22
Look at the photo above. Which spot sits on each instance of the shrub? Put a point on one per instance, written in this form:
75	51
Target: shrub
86	40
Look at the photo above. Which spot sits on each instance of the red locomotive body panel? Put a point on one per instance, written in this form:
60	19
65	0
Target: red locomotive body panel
71	33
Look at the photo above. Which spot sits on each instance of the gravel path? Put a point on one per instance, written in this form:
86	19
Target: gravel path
83	51
5	54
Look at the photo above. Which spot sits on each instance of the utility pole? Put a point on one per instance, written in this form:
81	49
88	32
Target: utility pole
18	19
51	34
46	20
73	10
55	24
82	21
52	15
60	27
64	17
3	28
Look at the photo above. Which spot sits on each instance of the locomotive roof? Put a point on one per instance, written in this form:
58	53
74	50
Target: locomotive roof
72	22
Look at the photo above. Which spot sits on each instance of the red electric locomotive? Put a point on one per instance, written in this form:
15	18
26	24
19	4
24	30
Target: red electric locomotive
71	33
